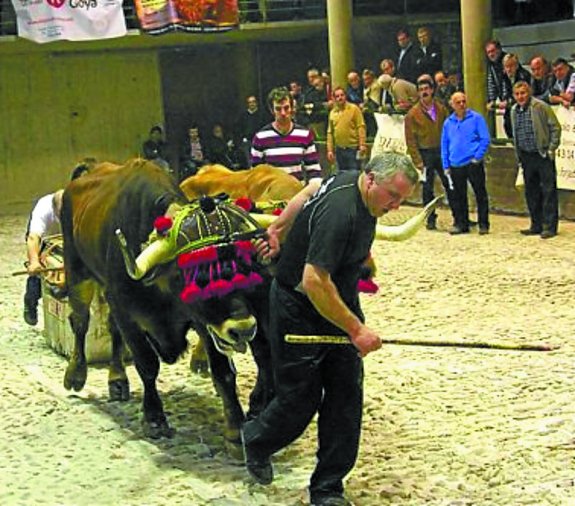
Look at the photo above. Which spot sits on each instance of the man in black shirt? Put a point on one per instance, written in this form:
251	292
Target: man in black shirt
315	293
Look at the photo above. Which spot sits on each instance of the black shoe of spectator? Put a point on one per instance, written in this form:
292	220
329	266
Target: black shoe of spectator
547	234
458	231
30	315
431	225
331	500
483	230
530	231
259	468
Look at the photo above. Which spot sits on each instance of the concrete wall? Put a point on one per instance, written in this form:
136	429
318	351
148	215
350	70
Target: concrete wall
60	107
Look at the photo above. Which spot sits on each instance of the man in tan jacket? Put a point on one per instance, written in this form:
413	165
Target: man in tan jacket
345	133
423	125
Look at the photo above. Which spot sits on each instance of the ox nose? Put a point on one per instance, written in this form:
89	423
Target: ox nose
242	335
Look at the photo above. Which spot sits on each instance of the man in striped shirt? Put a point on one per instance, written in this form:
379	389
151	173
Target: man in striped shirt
286	144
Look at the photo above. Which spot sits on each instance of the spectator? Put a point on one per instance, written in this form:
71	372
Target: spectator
154	148
315	292
193	154
316	106
536	137
513	72
560	93
295	91
443	89
284	143
403	93
372	97
44	221
455	79
495	55
464	143
387	68
354	90
219	148
346	133
541	78
431	59
248	123
423	126
408	56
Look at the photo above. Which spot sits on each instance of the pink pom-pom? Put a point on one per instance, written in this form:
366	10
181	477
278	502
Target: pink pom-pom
162	224
239	281
254	279
245	203
201	256
191	293
367	286
221	287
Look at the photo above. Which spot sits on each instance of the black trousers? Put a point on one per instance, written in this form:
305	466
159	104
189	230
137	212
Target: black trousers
432	162
327	379
540	177
475	174
33	292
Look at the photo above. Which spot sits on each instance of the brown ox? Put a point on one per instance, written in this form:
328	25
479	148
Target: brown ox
262	183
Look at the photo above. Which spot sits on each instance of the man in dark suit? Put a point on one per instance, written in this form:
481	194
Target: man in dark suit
408	56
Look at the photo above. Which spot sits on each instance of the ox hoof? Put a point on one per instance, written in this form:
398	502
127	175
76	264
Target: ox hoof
119	390
200	367
158	430
75	377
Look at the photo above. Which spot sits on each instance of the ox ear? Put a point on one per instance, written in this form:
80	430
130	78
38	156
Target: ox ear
165	205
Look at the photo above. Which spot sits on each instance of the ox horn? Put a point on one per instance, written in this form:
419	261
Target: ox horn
382	232
409	228
156	253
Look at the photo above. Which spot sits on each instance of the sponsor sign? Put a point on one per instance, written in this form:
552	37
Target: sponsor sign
51	20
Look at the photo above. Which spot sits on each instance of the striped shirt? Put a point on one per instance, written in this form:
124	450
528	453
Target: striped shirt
294	152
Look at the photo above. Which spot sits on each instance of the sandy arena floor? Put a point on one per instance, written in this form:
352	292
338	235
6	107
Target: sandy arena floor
442	426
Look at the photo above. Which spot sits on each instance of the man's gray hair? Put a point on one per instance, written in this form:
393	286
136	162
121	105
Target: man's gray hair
389	163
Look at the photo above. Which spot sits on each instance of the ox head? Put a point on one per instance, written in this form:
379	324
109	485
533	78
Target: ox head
210	243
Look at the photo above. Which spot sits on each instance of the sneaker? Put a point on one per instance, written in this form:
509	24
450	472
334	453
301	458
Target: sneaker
31	315
530	231
483	230
547	234
457	231
259	468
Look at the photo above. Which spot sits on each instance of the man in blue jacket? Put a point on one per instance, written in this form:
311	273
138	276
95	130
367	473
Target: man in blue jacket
464	142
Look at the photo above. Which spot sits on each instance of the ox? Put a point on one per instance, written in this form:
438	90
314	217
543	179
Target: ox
262	183
151	298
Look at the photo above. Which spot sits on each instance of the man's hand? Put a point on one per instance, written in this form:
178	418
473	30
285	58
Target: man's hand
34	268
330	157
366	340
268	248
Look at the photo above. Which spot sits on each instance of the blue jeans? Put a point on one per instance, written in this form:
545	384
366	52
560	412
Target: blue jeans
346	159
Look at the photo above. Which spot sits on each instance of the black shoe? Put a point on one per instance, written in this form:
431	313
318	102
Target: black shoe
31	315
530	231
457	231
431	226
331	500
472	223
259	468
483	230
547	234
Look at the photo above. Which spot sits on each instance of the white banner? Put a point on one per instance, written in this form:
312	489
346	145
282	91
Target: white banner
390	134
50	20
565	154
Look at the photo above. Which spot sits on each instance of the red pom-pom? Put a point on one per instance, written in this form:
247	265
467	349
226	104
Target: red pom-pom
239	281
367	286
221	287
201	256
162	224
277	211
254	279
245	203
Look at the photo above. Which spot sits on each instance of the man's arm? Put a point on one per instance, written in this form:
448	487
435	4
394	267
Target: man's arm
325	297
33	242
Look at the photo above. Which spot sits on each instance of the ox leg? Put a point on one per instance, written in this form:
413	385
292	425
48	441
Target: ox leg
224	379
154	423
80	298
118	385
199	359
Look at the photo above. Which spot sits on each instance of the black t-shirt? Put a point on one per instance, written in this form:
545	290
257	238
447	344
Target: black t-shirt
333	231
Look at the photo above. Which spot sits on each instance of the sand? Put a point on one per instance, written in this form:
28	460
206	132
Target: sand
442	426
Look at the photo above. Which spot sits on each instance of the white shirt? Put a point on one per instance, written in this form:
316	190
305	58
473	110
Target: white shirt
44	220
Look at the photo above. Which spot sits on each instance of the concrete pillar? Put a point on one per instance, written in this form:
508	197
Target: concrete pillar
339	21
475	31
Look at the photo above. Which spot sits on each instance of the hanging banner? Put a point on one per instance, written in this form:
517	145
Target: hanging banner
161	16
565	154
390	134
51	20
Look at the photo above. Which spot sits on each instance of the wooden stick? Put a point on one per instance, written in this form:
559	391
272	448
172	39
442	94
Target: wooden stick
45	269
298	339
